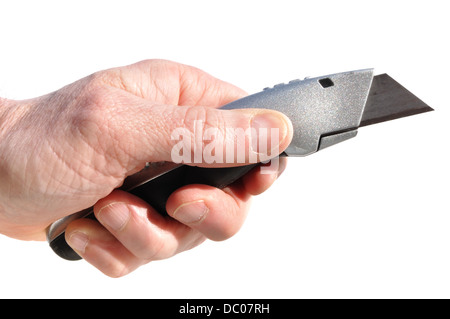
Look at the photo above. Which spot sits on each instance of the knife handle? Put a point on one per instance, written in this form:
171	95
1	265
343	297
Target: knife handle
156	192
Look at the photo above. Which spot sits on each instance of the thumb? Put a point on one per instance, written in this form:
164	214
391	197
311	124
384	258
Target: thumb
202	136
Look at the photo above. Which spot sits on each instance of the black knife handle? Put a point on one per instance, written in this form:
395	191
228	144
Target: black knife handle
156	192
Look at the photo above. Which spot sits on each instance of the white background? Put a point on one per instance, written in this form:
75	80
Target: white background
368	218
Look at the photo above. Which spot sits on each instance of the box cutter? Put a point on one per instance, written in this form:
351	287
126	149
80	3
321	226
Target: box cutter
324	111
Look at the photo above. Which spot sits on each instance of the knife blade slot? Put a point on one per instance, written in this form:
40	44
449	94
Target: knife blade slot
326	83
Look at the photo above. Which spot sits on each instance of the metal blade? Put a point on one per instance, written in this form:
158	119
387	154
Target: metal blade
389	100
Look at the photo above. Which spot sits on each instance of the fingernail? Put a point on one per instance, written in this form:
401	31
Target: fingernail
78	241
114	216
268	130
191	213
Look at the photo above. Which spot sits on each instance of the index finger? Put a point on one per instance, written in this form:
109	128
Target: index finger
168	82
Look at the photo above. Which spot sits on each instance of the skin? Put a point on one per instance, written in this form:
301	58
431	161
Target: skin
71	149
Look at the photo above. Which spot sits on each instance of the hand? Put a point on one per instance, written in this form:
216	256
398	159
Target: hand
70	149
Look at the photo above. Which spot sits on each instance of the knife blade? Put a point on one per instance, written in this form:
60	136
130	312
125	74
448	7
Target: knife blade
324	111
389	100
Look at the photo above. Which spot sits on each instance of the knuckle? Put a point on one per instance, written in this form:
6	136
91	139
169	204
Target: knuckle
148	245
89	102
92	116
94	105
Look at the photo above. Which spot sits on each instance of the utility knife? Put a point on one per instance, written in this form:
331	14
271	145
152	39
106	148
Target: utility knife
324	111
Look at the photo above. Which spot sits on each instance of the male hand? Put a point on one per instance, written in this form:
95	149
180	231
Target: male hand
70	149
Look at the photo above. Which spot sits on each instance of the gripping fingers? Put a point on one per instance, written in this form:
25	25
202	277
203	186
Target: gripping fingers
100	248
128	234
217	214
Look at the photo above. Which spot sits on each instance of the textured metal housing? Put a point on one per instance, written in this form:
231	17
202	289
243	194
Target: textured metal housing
318	108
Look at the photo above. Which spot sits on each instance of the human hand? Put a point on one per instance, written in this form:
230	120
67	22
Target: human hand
70	149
